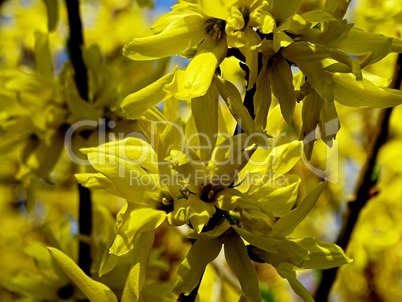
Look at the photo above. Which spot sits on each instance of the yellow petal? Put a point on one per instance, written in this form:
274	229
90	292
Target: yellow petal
238	260
232	97
52	8
360	42
296	25
43	57
281	10
93	290
299	51
136	277
298	288
184	33
138	102
97	181
337	8
319	78
262	98
354	93
311	110
288	252
191	269
218	9
281	40
139	221
344	58
322	255
266	243
378	53
278	200
290	221
266	23
281	78
200	71
205	115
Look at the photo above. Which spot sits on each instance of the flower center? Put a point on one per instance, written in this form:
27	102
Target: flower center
215	28
218	218
166	202
209	190
246	15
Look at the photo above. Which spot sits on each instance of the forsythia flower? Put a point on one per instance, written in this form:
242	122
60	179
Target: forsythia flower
270	38
194	182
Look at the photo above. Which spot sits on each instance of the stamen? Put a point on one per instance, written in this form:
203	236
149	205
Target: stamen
215	28
165	203
208	191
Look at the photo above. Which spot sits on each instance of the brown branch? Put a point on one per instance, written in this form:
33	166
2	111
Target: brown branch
364	189
75	43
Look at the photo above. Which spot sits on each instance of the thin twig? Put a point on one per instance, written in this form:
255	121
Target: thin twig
75	43
364	189
85	229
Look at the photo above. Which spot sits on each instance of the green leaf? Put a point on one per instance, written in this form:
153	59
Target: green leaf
93	290
238	260
191	269
291	220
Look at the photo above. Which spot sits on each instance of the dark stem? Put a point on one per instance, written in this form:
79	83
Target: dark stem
85	229
75	43
364	189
